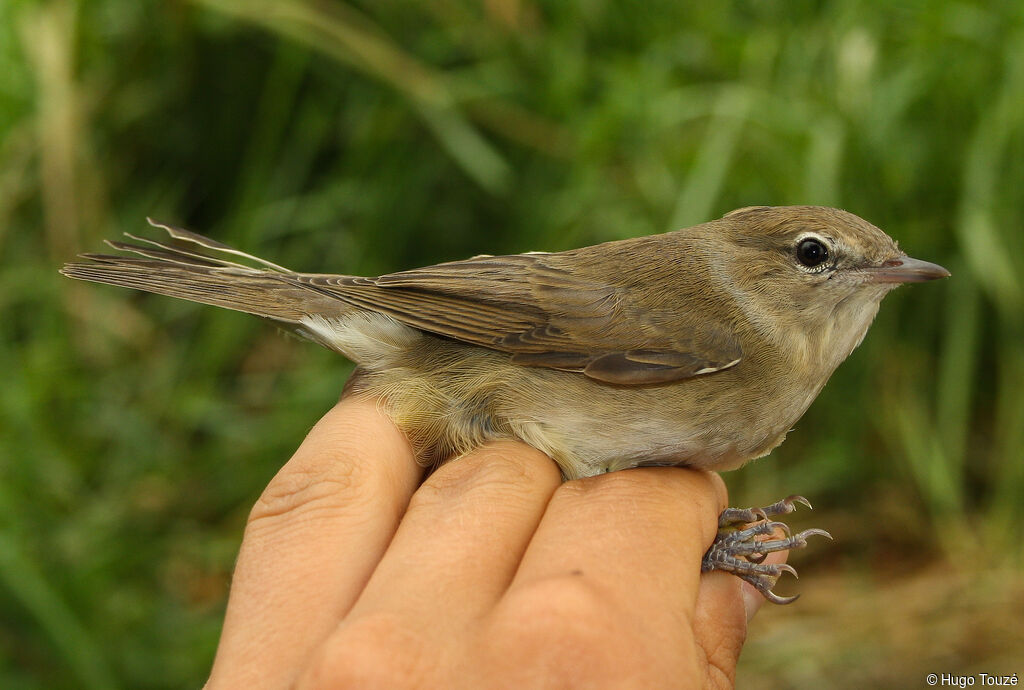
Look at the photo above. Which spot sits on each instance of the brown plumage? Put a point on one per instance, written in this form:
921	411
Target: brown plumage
699	347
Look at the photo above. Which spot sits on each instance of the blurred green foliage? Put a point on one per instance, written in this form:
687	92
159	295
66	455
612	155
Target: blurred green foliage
136	431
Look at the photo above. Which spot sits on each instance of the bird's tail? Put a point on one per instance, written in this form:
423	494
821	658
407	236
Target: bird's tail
268	290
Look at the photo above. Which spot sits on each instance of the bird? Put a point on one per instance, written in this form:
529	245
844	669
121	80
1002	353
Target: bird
699	347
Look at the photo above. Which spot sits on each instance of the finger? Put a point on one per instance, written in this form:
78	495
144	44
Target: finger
462	538
720	626
635	537
725	604
311	542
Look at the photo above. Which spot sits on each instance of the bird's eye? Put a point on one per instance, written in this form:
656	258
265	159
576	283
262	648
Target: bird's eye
811	252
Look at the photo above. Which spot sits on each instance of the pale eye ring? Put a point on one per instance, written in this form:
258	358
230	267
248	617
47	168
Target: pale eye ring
811	252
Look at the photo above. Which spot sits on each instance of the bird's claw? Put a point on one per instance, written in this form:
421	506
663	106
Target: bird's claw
738	549
742	516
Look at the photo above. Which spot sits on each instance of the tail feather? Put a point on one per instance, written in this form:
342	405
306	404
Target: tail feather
174	256
165	269
206	242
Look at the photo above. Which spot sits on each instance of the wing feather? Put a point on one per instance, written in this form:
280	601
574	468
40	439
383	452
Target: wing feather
545	315
546	310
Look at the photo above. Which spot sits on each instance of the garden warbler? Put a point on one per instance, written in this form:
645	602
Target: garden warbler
699	347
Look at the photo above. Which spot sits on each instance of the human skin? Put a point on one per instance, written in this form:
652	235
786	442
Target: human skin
355	572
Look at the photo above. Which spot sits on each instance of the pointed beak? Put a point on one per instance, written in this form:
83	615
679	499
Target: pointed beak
905	269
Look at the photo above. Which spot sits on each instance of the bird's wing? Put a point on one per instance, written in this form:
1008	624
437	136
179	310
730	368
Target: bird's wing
546	310
544	315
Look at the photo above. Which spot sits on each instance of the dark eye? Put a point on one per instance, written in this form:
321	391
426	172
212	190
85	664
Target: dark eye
811	252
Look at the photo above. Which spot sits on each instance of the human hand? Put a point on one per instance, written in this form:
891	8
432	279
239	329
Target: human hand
492	573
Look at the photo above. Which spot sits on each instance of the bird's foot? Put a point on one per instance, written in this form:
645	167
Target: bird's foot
738	549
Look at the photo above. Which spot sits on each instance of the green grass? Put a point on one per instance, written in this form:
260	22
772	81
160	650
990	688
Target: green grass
136	431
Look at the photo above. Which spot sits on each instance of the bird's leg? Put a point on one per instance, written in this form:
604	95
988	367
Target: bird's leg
738	550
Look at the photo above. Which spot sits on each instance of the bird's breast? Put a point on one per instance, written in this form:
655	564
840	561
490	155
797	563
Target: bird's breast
450	397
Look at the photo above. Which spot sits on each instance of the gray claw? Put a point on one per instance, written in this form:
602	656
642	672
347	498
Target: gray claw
814	531
740	516
786	505
764	584
738	550
798	541
776	599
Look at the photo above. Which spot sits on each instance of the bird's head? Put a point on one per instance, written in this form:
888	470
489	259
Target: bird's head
814	271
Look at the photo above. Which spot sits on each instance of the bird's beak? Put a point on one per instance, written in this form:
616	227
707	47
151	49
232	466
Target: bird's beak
905	269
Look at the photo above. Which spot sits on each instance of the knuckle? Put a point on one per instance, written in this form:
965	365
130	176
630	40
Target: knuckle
720	490
569	627
721	644
496	469
606	488
563	616
308	486
373	651
719	676
644	487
